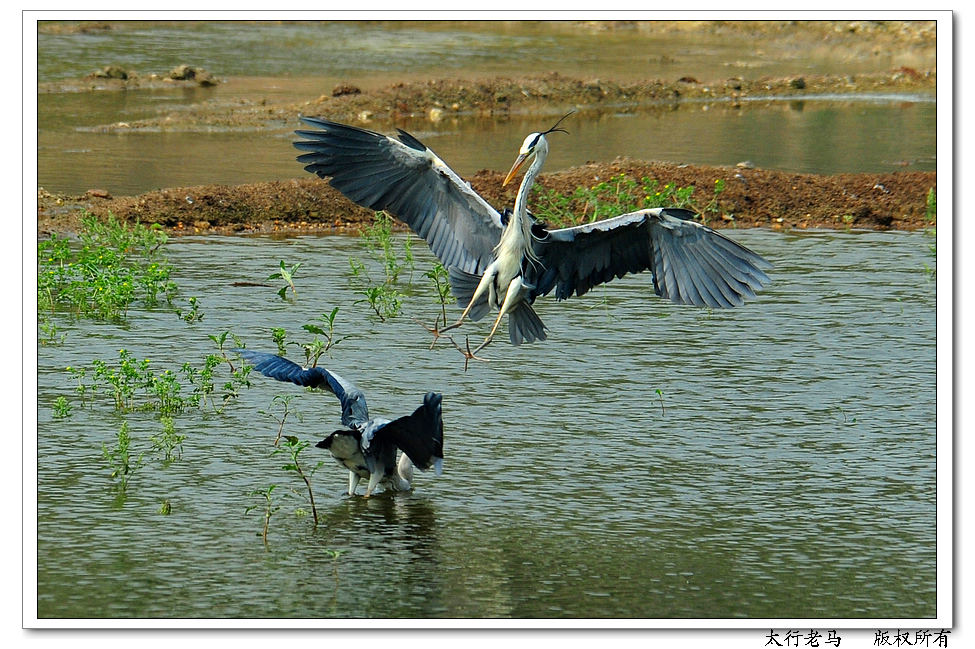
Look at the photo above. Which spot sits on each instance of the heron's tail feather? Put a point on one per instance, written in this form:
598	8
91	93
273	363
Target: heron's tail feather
419	435
524	325
462	286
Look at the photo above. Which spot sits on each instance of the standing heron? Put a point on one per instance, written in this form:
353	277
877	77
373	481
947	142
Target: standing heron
507	263
367	448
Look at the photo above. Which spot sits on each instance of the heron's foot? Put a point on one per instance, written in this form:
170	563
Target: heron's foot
436	330
467	353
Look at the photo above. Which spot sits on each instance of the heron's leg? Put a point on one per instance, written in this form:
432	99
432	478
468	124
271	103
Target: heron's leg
374	479
510	299
404	473
482	286
353	482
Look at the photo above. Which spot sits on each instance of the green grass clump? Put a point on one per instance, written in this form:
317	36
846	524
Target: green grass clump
383	296
120	458
619	194
931	219
134	386
111	266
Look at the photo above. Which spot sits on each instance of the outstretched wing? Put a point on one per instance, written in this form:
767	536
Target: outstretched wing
691	263
419	435
409	181
355	412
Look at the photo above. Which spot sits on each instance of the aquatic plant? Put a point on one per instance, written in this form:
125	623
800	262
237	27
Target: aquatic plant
168	442
133	385
378	240
313	349
383	297
51	334
293	447
123	380
112	267
286	410
287	274
194	314
61	408
439	276
120	459
238	375
384	300
441	286
316	348
204	385
278	335
268	508
165	387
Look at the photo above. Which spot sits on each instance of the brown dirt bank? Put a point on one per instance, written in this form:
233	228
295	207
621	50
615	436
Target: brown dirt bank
752	198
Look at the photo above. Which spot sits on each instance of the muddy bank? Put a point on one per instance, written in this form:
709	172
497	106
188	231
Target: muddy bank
751	198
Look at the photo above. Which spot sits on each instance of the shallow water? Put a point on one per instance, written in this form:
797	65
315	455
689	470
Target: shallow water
295	62
785	468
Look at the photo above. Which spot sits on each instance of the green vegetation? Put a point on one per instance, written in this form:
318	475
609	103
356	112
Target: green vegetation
285	404
383	297
384	300
278	335
168	442
193	315
114	266
618	195
378	240
51	334
441	284
286	274
323	330
931	219
134	386
293	447
268	508
61	408
119	458
318	346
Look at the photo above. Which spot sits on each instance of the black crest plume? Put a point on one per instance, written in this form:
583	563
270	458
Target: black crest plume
555	128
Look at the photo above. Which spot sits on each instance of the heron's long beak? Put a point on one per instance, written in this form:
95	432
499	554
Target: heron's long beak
514	168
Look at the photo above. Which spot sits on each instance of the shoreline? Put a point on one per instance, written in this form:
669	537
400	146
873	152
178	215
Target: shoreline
752	197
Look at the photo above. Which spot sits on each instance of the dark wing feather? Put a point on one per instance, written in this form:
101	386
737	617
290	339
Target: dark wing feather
691	263
355	412
408	180
419	435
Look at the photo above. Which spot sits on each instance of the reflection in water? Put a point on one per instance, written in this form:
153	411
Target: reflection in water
785	468
826	136
396	552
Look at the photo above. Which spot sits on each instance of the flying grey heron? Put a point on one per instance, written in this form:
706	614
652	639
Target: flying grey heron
367	448
507	263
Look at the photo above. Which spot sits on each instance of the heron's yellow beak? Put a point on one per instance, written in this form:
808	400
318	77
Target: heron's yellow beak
514	168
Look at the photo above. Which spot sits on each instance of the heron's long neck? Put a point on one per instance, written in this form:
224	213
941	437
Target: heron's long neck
516	238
